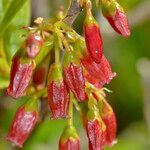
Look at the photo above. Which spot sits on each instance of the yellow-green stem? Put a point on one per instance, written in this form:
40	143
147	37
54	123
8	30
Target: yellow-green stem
70	120
56	50
88	8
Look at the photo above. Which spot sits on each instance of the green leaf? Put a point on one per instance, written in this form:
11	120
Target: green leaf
12	10
13	34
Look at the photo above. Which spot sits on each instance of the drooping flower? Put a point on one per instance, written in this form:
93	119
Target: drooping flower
116	16
58	93
21	73
96	135
95	128
93	38
74	75
23	123
108	117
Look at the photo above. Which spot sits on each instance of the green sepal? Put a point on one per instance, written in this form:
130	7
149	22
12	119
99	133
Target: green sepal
69	133
70	57
79	47
55	73
103	106
31	105
100	106
72	36
89	20
93	110
109	7
93	113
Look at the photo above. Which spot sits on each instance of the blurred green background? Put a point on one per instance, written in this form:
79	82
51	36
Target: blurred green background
130	59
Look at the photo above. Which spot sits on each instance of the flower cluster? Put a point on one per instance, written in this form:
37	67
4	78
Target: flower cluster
75	74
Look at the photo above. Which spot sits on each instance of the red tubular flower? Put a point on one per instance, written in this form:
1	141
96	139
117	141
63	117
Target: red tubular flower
22	124
95	135
74	76
95	128
58	93
33	45
93	39
98	74
69	140
108	117
117	18
21	73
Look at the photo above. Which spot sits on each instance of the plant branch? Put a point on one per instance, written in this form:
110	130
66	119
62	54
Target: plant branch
73	12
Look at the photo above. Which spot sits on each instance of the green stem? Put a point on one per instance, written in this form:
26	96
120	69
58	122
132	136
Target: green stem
75	103
57	52
70	120
88	8
44	51
73	11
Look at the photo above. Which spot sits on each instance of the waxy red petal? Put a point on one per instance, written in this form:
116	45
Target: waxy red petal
98	74
22	125
94	41
75	81
58	97
20	77
111	128
96	135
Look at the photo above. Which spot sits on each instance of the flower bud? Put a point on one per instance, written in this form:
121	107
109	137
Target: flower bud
69	139
116	16
33	45
74	75
98	74
23	123
58	93
93	38
21	73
